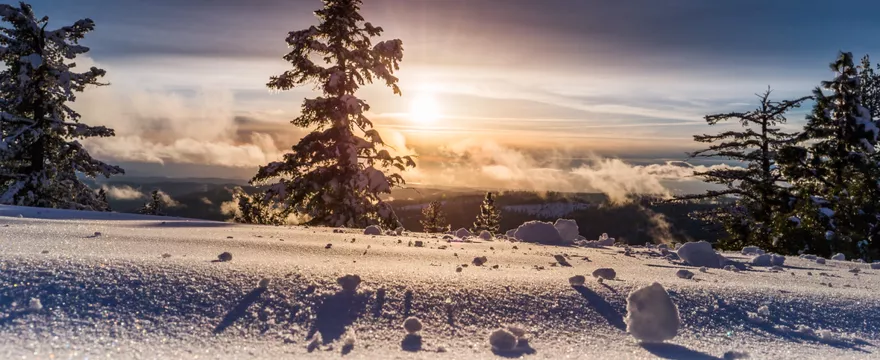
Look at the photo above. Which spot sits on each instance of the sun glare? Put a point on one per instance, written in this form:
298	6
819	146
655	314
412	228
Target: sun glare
424	109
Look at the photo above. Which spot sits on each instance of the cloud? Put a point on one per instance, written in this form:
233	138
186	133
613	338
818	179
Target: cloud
168	200
123	192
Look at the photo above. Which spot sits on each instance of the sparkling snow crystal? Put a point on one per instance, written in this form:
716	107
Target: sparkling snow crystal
651	315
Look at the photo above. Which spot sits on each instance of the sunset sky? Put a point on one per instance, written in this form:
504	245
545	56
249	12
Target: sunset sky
520	84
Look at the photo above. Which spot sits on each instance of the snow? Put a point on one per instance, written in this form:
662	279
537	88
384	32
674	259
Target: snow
35	60
577	280
777	260
699	254
373	230
820	261
125	264
511	233
875	266
839	257
485	235
762	260
538	232
568	229
35	305
684	274
651	314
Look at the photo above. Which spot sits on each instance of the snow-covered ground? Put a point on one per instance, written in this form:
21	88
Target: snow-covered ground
126	286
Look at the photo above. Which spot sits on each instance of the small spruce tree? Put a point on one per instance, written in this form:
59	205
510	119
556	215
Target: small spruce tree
757	189
154	205
489	218
40	155
434	218
336	174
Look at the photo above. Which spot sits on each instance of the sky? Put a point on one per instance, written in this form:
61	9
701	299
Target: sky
495	92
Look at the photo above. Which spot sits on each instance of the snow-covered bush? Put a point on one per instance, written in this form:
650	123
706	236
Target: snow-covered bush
538	232
651	314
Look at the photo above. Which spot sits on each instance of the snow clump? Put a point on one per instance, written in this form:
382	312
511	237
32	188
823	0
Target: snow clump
412	325
651	315
538	232
35	305
699	254
777	260
684	274
820	261
839	257
502	340
373	230
605	273
462	233
568	229
577	280
485	235
349	283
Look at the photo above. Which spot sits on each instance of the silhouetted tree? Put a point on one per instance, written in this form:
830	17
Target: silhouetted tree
254	209
334	175
154	205
757	187
434	219
40	155
490	216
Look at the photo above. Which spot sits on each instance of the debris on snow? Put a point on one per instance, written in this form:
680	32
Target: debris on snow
568	229
328	246
412	325
349	283
538	232
605	273
224	257
373	230
577	280
839	257
699	254
684	274
35	305
502	340
651	315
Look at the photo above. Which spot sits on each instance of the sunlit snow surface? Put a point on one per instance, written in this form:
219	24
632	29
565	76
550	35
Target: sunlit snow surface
128	286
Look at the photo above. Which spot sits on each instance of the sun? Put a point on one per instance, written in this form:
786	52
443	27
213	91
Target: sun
424	109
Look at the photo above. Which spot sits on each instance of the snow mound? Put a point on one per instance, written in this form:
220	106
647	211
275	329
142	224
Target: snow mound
538	232
399	230
875	266
485	235
577	280
762	260
373	230
839	257
820	261
462	233
777	260
699	254
752	250
511	233
651	315
568	229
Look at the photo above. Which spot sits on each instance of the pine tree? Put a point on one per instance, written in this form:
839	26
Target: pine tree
434	218
40	155
833	168
758	187
154	205
102	198
489	218
334	175
252	209
869	87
